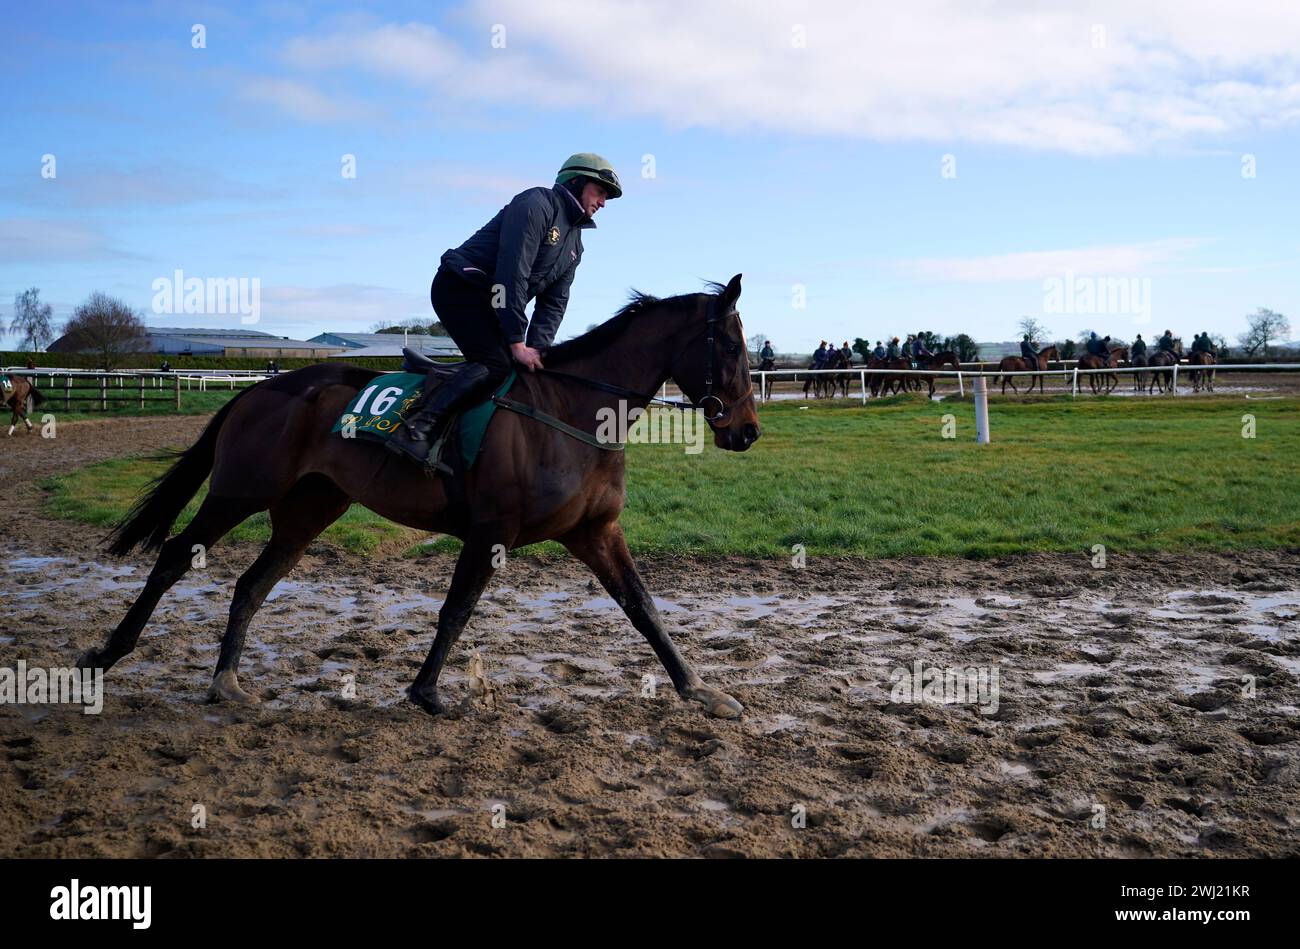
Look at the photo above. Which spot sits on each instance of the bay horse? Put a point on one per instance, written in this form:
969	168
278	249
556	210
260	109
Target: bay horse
1098	380
1159	361
1139	361
271	448
1202	378
947	358
20	399
1021	364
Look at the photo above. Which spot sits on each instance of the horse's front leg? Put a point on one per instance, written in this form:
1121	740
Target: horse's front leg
604	549
474	569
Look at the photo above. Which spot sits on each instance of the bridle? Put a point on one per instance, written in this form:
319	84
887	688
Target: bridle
711	318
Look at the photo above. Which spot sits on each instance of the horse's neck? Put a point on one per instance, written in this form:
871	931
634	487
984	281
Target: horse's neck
633	360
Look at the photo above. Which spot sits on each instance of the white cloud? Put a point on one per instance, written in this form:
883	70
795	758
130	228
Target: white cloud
1016	72
343	307
36	239
300	99
1142	259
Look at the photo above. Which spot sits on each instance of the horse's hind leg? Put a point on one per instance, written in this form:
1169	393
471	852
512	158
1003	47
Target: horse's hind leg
312	505
604	550
214	520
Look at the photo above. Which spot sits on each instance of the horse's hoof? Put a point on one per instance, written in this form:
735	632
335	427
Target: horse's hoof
718	704
89	659
429	703
225	688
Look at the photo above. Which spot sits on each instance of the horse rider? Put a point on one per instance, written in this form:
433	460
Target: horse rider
879	352
1166	343
530	248
847	352
919	351
907	349
1097	346
165	367
1028	352
819	356
1139	347
893	352
767	357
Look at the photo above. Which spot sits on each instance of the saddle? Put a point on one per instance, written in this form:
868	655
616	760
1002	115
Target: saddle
419	362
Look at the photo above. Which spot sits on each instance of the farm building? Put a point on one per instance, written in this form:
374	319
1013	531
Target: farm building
386	344
188	341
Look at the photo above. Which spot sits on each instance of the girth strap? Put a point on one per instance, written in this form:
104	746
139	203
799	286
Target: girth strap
536	414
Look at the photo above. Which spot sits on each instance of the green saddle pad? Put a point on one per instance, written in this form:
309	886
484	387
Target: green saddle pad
382	406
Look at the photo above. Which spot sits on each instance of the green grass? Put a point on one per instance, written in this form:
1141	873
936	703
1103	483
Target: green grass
880	481
192	403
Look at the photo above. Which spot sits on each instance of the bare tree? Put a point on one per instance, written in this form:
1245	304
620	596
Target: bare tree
31	320
107	327
1264	326
1030	327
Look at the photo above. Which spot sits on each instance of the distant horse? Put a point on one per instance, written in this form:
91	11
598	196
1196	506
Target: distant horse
1103	383
1202	378
945	359
839	383
890	384
1164	376
1021	364
1139	378
20	396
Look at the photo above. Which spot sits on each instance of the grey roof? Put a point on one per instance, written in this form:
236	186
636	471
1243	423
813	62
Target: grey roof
416	341
204	332
394	347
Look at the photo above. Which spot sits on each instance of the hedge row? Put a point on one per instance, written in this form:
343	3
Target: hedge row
180	363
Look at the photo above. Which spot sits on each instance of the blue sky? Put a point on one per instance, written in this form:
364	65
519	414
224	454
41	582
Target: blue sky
802	144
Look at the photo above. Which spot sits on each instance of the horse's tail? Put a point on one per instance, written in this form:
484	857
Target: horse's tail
147	523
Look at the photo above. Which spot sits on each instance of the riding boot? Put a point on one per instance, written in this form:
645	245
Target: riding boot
415	436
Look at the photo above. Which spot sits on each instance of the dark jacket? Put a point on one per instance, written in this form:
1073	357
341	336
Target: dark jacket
1165	344
1028	352
880	352
1139	348
531	248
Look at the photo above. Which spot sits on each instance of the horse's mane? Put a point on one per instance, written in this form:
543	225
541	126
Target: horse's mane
598	338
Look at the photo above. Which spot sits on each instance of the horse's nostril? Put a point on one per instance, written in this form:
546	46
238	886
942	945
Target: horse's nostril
751	433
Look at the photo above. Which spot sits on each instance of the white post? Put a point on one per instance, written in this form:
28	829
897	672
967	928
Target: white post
1074	388
981	411
1175	387
863	374
961	389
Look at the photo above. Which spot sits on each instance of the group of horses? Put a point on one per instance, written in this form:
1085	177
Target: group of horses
835	381
1160	363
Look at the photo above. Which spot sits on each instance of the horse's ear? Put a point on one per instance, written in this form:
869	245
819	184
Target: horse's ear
731	294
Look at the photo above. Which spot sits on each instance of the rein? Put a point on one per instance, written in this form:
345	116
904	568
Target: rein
533	412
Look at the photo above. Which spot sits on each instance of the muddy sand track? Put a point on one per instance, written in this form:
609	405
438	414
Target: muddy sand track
1120	697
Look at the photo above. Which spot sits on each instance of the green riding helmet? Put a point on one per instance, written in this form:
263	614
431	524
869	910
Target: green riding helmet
590	165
